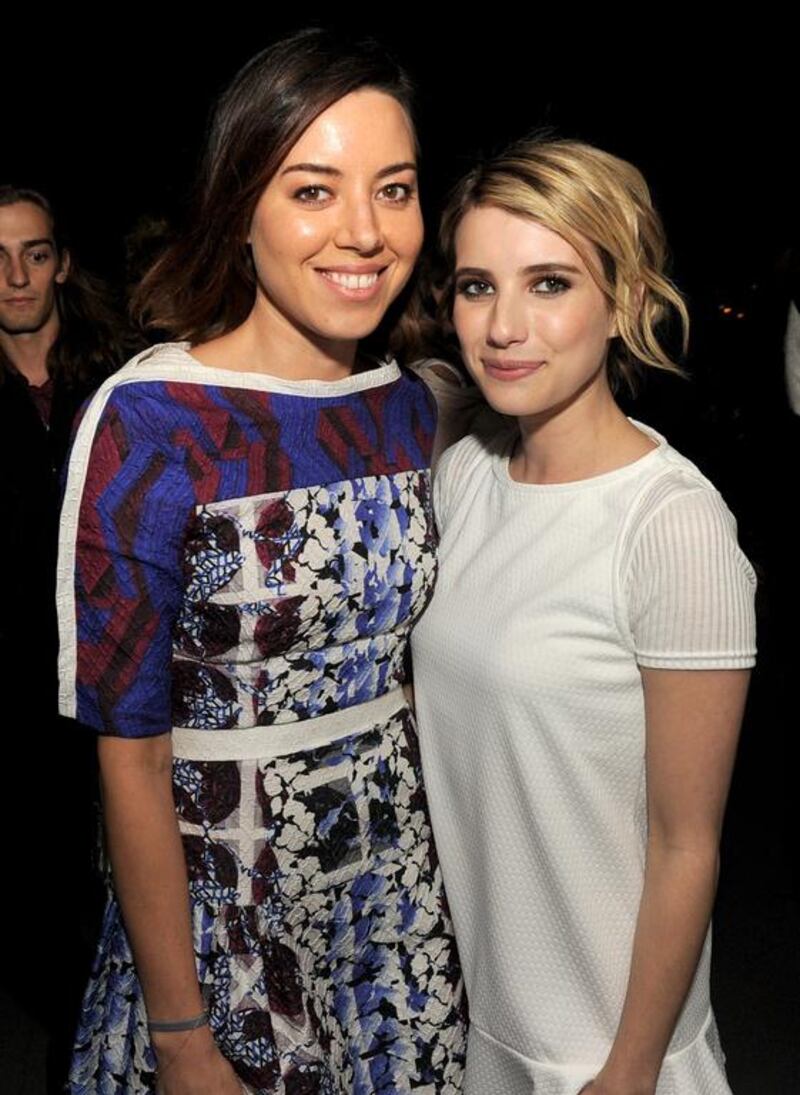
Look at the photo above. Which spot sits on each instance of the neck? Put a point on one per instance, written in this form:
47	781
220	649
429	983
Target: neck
267	342
587	437
28	351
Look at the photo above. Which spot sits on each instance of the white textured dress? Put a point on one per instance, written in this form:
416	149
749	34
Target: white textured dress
531	711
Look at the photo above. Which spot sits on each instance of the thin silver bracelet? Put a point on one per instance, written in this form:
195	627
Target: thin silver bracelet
171	1026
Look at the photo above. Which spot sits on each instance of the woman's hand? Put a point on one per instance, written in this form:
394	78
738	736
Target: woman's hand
151	883
189	1063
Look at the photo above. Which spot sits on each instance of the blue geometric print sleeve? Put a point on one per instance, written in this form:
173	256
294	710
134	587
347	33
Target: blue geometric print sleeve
129	513
185	600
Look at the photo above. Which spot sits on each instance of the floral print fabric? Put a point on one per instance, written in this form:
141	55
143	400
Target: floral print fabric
323	944
297	604
253	559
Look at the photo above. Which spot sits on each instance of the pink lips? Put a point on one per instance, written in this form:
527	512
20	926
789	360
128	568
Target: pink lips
354	268
511	370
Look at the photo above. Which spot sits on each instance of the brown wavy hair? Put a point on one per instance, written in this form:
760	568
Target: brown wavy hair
583	193
203	284
93	339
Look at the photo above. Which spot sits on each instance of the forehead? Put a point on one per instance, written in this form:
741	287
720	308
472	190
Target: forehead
487	235
366	127
22	221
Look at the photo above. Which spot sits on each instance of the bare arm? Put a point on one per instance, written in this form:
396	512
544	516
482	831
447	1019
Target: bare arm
151	884
692	719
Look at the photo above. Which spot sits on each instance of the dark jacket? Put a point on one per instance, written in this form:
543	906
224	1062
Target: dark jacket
31	460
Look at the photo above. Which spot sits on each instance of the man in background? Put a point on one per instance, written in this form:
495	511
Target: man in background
59	338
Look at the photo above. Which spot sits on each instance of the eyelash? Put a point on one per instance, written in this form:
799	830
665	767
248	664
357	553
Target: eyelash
304	192
558	285
407	192
302	195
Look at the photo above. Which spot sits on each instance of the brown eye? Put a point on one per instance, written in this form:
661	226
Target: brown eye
397	193
312	195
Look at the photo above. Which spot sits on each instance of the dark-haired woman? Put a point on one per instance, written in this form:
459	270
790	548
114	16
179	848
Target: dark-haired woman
246	542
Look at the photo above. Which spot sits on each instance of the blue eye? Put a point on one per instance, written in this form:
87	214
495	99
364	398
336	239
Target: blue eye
550	285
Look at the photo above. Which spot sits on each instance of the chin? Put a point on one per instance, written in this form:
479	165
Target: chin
514	404
18	326
351	332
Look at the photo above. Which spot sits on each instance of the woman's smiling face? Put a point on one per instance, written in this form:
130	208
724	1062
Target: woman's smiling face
533	324
337	230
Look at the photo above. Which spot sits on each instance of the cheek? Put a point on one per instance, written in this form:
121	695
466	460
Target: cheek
470	324
417	234
306	234
46	281
286	238
404	234
579	328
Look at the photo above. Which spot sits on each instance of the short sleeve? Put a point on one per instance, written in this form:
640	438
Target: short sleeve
119	573
689	589
463	467
458	403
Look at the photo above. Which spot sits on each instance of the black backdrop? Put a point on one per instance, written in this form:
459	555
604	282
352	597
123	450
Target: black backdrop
107	118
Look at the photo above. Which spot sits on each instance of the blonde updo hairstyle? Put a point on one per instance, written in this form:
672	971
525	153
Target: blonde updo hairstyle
583	193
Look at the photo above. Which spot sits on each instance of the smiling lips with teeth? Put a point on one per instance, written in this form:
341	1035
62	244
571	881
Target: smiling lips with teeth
354	284
351	281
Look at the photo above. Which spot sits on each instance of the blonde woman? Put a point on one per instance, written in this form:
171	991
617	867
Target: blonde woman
582	670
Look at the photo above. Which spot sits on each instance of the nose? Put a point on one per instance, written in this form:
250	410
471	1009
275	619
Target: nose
508	321
359	228
15	271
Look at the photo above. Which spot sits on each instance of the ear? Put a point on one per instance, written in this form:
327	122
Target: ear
63	267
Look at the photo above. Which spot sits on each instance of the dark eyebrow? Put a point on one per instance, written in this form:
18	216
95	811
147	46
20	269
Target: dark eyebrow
473	271
396	168
545	267
317	168
325	169
536	268
32	243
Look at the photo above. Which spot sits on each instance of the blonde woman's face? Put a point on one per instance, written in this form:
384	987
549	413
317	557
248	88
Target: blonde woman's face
533	324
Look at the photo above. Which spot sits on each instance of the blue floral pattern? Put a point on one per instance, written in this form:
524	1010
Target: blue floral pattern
324	947
299	603
274	551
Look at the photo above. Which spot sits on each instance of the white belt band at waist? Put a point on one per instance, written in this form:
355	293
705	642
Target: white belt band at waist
269	742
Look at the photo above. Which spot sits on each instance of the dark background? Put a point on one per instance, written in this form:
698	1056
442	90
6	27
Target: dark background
109	124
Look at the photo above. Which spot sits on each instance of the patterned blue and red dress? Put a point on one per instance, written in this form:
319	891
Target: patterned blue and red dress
242	558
